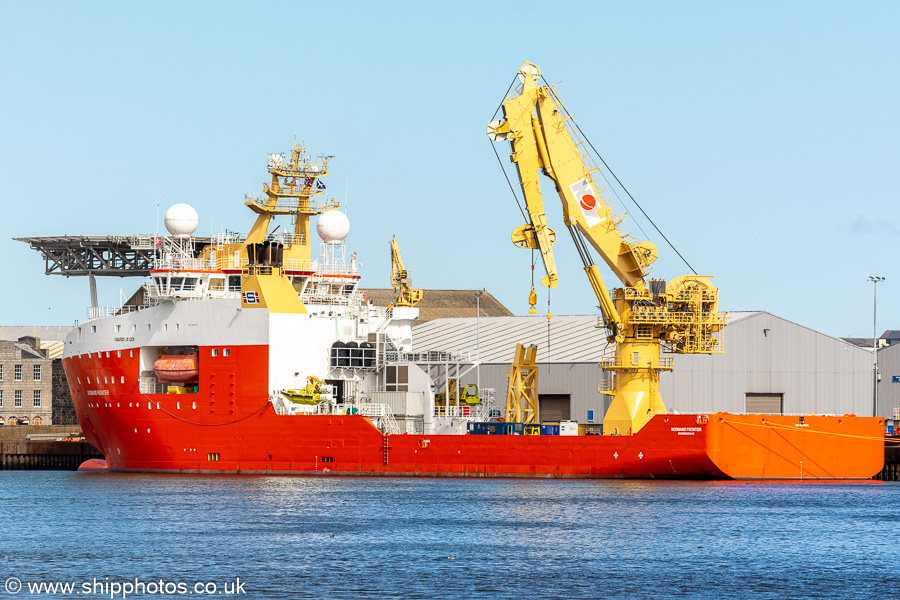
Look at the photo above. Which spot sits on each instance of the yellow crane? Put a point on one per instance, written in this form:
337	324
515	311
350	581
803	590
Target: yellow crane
401	280
642	315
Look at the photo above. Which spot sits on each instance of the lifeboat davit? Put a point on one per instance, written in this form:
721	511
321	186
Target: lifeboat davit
178	368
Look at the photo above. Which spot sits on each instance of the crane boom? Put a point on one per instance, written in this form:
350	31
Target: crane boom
641	315
401	280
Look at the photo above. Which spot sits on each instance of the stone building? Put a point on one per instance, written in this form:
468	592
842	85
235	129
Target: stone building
63	407
43	345
26	382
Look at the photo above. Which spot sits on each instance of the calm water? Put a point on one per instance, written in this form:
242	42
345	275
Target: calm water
450	538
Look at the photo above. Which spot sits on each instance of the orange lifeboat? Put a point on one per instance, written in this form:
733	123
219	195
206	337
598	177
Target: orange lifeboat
178	368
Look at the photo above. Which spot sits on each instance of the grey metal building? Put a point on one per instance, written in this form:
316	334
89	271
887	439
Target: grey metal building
889	382
770	364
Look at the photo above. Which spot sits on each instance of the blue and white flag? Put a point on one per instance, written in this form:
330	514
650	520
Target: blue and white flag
320	185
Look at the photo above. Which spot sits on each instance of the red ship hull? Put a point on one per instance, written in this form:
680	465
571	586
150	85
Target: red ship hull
229	426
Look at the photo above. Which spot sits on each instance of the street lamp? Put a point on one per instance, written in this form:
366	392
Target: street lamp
478	294
875	279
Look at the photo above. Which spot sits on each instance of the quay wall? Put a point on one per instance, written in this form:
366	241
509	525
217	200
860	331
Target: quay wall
17	452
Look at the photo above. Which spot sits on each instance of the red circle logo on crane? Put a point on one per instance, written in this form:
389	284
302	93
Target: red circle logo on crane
588	202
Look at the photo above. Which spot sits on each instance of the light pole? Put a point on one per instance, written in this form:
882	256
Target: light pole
875	279
478	294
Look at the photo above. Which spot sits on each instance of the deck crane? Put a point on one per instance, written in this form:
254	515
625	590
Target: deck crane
644	314
401	279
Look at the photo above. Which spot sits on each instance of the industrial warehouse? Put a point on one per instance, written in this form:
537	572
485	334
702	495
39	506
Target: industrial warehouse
770	365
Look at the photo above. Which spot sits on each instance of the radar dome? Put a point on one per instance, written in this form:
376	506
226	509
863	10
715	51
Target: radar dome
333	226
181	220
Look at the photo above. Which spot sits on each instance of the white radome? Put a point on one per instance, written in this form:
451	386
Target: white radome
182	220
333	226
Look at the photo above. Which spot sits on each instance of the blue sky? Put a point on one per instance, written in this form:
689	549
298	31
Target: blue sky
761	137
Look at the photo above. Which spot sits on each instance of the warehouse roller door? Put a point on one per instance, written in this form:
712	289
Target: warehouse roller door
771	404
554	407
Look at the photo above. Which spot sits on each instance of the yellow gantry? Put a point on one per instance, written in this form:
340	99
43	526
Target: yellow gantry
682	314
521	393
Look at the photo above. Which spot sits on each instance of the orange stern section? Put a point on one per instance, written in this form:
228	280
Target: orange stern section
796	447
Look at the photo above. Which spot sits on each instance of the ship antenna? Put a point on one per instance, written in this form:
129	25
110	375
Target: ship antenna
158	201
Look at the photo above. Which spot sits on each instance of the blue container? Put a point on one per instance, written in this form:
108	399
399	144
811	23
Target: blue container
515	428
495	428
478	428
551	429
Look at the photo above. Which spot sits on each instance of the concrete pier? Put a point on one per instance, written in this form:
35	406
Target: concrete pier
891	470
36	447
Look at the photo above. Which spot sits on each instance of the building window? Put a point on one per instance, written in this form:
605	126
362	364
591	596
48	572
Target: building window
1	372
37	398
1	398
17	398
17	372
37	372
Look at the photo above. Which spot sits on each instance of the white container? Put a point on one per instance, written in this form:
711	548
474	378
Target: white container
568	428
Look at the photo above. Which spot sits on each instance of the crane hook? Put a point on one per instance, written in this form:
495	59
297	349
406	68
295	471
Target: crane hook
532	300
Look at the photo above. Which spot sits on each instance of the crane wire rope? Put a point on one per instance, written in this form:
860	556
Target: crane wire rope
500	162
611	172
509	183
